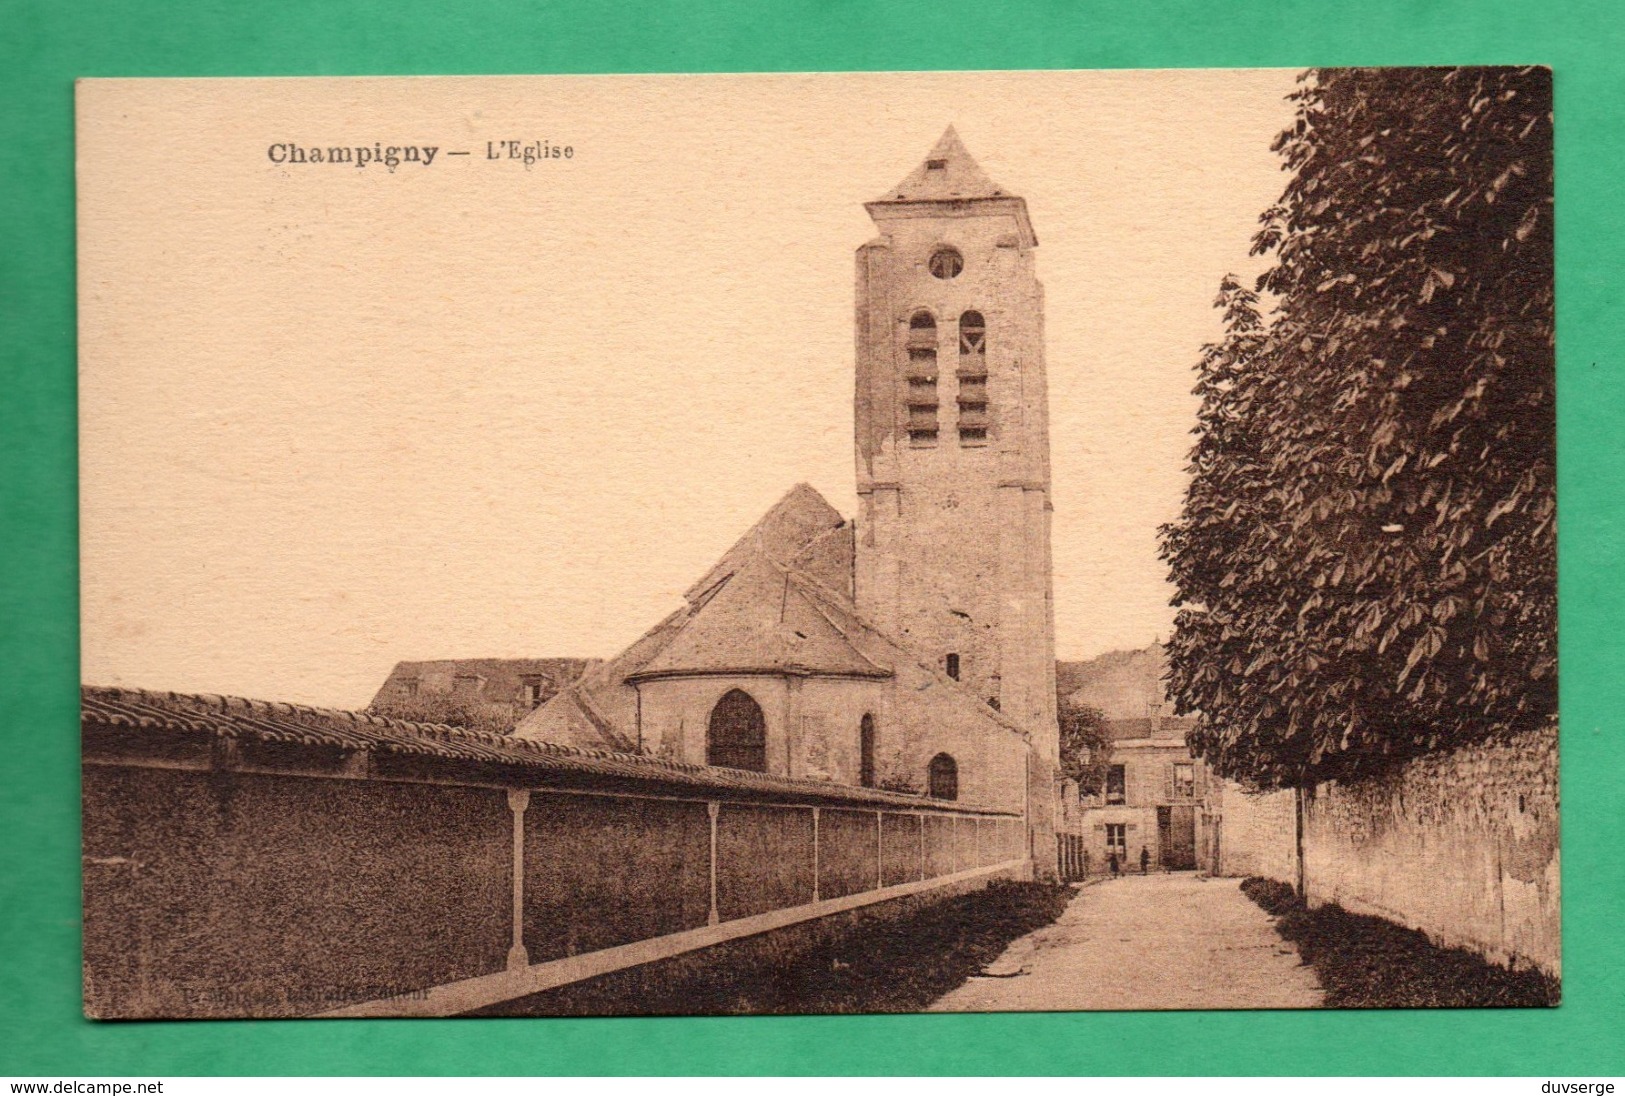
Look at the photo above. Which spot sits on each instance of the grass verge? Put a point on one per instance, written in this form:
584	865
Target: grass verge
1367	962
872	963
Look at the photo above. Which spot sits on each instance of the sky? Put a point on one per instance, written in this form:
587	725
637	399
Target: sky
335	417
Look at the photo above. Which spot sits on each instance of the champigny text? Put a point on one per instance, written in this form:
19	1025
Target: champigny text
389	156
393	156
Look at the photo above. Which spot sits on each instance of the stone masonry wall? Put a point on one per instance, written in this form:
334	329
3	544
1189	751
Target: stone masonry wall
1463	846
1258	834
219	893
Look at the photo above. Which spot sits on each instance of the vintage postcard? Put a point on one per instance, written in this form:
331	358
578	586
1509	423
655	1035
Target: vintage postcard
818	543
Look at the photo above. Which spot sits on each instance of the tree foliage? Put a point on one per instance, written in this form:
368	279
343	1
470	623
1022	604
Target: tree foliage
1365	563
1085	747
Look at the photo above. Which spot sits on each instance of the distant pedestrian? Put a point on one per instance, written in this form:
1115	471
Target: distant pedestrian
1112	860
1145	860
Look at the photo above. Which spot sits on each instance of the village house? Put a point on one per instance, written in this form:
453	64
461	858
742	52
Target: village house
488	694
1156	799
1156	796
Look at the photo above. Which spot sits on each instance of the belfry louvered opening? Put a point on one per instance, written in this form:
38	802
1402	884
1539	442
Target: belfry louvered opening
972	375
921	378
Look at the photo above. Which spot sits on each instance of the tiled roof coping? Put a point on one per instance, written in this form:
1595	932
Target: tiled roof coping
231	717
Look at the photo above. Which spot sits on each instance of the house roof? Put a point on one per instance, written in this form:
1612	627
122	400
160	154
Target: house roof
802	535
1170	727
501	678
121	721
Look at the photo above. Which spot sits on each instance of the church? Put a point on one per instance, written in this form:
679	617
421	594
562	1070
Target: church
909	648
846	711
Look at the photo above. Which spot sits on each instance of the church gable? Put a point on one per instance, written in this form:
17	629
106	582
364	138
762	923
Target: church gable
759	620
800	531
827	559
727	622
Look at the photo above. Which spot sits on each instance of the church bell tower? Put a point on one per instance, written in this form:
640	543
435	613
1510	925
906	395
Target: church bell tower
953	551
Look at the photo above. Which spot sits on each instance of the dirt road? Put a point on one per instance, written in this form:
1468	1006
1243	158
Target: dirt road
1146	942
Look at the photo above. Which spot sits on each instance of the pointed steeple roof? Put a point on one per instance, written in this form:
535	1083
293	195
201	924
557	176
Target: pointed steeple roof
948	173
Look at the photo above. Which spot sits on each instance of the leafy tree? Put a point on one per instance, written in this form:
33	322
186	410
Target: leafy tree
1365	562
1085	747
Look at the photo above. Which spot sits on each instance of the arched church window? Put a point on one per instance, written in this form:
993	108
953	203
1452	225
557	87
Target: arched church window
736	737
866	751
972	374
921	400
946	263
944	777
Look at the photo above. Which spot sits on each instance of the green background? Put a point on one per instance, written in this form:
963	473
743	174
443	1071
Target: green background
44	45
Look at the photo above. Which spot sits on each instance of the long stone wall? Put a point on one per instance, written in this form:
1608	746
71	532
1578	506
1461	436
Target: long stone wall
601	872
210	894
1258	834
219	893
1462	845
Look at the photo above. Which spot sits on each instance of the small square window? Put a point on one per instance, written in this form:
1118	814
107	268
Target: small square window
535	691
936	165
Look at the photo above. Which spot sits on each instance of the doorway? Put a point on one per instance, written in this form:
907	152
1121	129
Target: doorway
1176	838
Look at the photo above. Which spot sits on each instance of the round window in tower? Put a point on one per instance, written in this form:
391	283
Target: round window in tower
946	263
